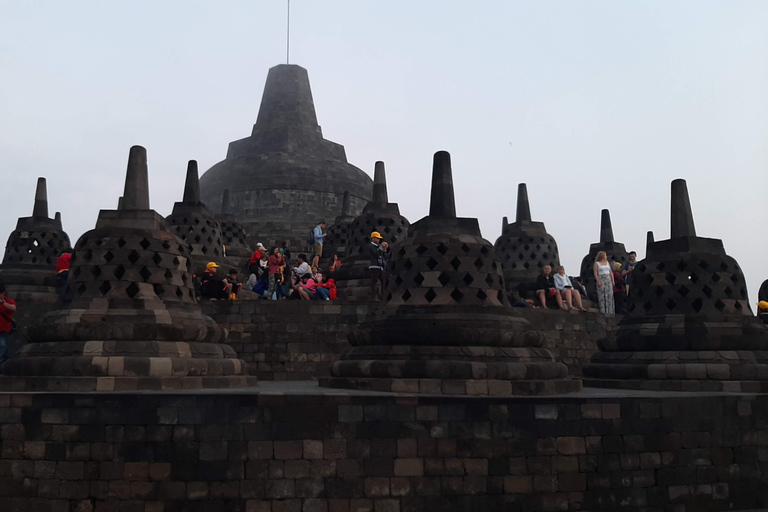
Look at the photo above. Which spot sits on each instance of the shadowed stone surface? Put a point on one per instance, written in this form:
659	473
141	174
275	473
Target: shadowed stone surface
236	247
130	318
195	225
29	264
338	234
285	177
614	250
378	215
687	323
443	326
525	247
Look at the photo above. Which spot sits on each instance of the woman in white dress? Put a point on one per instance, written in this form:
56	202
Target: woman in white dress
604	278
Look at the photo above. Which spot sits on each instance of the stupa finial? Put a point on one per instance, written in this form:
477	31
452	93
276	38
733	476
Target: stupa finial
442	203
523	206
380	195
681	214
649	238
192	184
606	229
40	209
136	192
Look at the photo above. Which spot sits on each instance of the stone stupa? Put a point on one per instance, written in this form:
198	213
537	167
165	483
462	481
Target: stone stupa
129	319
191	221
338	234
687	324
443	327
285	177
378	215
615	251
237	252
525	247
29	265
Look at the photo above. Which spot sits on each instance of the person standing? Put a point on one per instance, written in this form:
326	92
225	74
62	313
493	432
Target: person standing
318	238
7	309
619	289
626	270
604	278
62	270
276	261
377	266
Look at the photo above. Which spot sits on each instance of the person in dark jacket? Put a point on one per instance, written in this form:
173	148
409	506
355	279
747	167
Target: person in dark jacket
545	287
377	266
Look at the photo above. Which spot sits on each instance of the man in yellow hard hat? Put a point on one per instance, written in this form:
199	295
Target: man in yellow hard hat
213	286
762	311
377	267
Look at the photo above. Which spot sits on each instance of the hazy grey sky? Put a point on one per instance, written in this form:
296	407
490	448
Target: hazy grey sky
593	104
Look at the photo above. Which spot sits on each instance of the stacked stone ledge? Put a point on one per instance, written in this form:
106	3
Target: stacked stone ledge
443	327
29	265
129	318
525	247
688	324
191	221
614	250
378	215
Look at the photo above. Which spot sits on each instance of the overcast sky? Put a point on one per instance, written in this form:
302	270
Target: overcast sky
593	104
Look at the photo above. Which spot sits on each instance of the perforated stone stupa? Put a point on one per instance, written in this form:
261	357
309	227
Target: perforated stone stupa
614	250
29	265
688	324
525	247
443	327
130	318
378	215
236	248
338	234
286	177
191	221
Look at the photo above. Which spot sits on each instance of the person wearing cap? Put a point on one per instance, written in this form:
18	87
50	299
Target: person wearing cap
377	266
762	311
213	286
255	257
318	238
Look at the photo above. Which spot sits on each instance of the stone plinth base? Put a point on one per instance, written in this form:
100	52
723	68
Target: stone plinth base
109	384
725	386
471	387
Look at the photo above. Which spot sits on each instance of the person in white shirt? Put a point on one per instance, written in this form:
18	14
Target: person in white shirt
565	287
302	266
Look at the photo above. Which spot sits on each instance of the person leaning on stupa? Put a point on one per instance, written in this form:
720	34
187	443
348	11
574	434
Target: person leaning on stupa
762	311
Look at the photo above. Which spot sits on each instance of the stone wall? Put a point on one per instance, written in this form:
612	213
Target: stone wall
297	340
287	340
304	452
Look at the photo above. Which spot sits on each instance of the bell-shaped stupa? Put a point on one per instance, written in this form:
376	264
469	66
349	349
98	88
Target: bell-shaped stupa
191	221
29	265
236	248
443	326
129	318
615	251
687	324
286	177
338	233
378	215
525	247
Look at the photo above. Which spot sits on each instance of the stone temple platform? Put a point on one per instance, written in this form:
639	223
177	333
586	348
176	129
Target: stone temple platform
293	446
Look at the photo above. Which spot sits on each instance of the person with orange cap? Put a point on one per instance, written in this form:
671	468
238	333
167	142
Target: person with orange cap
762	311
378	251
213	286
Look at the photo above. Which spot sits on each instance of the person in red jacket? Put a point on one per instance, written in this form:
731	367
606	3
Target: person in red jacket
62	269
274	262
7	309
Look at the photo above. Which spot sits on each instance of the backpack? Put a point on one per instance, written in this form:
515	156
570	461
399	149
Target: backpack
311	237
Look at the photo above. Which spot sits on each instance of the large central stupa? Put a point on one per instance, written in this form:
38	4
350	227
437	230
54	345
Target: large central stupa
285	177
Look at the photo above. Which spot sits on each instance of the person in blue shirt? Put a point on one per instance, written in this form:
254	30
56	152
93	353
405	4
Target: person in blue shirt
627	268
318	239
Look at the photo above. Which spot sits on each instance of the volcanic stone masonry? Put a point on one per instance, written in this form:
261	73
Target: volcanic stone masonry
237	252
338	234
286	177
29	265
687	324
378	215
443	327
614	250
524	247
130	319
191	221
